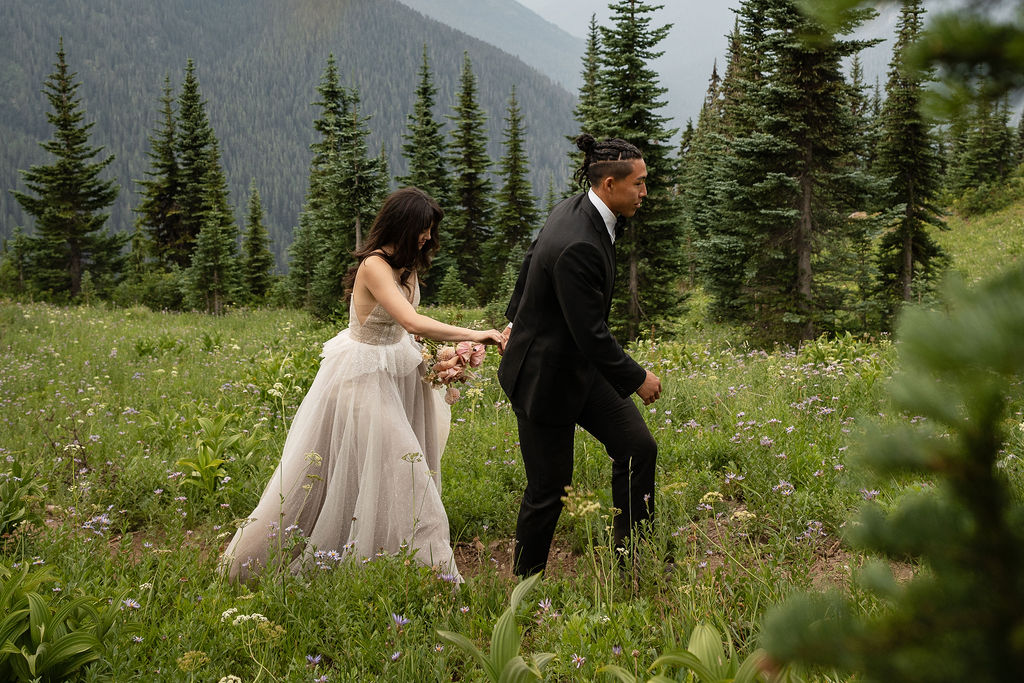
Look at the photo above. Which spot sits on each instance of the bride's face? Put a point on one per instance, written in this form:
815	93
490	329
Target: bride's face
424	237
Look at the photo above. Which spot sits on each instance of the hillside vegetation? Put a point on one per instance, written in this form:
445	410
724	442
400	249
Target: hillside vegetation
258	63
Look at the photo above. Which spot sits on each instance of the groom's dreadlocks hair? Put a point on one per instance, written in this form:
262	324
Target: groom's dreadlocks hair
609	157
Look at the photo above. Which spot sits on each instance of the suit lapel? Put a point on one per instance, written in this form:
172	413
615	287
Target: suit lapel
597	223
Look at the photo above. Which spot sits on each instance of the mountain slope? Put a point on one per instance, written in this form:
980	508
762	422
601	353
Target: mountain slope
258	62
516	30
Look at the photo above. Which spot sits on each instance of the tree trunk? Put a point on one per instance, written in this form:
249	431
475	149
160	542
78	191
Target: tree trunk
359	233
804	277
75	268
908	263
634	291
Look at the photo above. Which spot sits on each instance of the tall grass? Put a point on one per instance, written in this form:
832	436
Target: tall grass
102	405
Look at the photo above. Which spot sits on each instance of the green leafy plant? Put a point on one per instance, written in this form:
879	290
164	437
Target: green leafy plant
42	640
706	657
18	494
505	664
212	445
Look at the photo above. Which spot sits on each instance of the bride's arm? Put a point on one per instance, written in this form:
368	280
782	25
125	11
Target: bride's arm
376	275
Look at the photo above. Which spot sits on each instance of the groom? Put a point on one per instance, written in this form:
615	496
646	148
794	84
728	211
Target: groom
561	366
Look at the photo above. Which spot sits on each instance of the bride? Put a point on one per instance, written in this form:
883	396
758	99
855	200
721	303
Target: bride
360	471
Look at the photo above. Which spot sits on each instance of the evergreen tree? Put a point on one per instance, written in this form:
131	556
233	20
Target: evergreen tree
16	263
158	212
517	217
195	139
257	261
357	185
424	146
68	199
470	226
648	250
909	160
783	185
590	111
213	278
320	213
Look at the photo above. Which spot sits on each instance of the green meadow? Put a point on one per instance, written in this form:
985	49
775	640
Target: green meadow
113	424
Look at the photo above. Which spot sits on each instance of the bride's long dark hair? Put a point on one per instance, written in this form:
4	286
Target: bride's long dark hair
403	217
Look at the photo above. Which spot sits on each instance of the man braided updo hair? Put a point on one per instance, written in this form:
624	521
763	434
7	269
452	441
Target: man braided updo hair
610	157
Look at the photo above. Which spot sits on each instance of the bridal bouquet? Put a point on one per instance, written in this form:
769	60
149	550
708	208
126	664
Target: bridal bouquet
448	365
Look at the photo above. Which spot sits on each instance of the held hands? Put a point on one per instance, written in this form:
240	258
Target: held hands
505	333
491	337
650	390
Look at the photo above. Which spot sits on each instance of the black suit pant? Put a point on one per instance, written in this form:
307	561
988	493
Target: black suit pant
548	457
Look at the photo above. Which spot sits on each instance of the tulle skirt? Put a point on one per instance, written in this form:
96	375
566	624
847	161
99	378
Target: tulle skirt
360	470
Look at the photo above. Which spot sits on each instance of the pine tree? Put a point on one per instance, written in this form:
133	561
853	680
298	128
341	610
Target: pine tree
590	111
908	158
257	261
68	199
213	278
357	184
648	250
195	138
320	212
517	217
470	225
783	186
158	212
424	145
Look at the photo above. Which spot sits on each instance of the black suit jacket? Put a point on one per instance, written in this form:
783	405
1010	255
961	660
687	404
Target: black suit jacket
559	309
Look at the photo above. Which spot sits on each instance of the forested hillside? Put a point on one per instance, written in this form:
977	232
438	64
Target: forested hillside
258	62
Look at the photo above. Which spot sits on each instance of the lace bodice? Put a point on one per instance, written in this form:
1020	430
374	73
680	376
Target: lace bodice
379	328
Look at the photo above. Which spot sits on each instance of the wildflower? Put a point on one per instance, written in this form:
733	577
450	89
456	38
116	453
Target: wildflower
616	650
869	495
464	609
544	604
131	604
322	679
711	497
192	660
312	661
578	660
438	647
784	488
399	621
137	639
395	655
230	679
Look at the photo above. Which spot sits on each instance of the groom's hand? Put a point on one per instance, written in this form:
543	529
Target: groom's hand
504	339
650	390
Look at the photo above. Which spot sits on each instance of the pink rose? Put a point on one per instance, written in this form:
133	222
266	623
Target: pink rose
471	354
446	353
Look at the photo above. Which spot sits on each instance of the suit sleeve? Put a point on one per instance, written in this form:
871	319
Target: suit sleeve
517	292
579	285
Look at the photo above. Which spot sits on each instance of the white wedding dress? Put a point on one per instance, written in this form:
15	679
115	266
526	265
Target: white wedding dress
361	469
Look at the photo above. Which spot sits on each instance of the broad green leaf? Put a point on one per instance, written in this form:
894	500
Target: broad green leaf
687	660
541	659
518	671
750	671
706	644
64	653
39	616
467	646
505	639
618	672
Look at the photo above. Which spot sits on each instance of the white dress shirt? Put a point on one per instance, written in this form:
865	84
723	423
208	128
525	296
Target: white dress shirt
606	213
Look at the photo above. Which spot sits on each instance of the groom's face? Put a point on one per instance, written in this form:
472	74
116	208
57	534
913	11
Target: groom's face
626	194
